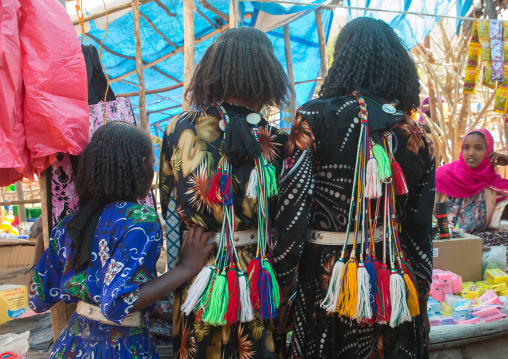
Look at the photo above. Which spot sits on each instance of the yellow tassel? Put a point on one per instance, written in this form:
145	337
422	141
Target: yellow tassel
412	296
346	305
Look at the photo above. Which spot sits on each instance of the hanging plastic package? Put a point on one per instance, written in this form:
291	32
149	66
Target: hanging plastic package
43	88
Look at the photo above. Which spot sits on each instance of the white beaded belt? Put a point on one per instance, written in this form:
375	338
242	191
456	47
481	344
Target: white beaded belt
94	312
241	238
337	238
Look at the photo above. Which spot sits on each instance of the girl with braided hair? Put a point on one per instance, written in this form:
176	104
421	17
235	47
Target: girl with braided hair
353	156
221	162
103	257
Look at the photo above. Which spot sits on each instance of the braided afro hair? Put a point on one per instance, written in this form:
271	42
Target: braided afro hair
370	56
112	165
240	64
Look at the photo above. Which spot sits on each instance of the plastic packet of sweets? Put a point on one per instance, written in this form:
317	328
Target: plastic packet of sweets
470	80
474	37
472	54
496	29
500	101
505	29
483	28
498	71
487	76
485	49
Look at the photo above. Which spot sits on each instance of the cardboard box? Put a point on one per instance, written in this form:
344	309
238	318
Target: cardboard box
16	254
13	302
462	256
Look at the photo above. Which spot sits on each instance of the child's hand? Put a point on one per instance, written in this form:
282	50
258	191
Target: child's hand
498	159
195	252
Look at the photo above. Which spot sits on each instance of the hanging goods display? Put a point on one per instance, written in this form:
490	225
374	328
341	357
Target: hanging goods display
222	293
362	287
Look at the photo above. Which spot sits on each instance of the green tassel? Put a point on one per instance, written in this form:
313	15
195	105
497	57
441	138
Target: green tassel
270	180
217	306
204	300
275	285
383	163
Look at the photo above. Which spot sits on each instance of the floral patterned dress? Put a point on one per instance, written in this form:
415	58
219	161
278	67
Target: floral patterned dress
190	154
315	191
468	213
127	245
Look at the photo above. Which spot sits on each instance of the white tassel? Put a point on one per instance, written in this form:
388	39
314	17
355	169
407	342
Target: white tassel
363	308
247	312
332	293
400	311
196	290
373	187
252	189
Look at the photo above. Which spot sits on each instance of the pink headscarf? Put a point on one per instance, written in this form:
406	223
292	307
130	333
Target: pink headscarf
456	179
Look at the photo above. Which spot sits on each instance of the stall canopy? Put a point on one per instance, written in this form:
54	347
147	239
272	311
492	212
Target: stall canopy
162	41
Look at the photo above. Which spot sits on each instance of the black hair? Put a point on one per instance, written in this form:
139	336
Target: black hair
240	64
112	165
370	56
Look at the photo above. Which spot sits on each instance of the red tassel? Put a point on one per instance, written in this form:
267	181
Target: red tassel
254	273
399	179
199	316
233	310
213	190
377	265
383	298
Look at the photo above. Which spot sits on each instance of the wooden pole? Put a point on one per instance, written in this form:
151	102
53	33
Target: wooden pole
432	105
139	65
188	50
2	208
21	206
111	10
164	89
322	43
289	63
233	14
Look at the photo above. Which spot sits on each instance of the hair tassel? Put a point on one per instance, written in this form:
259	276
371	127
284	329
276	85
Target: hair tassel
373	187
246	311
412	296
252	189
373	284
198	289
383	163
213	190
400	311
332	293
216	309
346	304
363	307
399	179
254	272
233	305
383	297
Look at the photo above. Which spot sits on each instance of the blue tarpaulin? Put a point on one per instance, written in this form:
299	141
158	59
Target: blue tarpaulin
118	53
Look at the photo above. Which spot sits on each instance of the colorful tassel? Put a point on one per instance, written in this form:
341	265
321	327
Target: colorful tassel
269	294
409	271
217	306
225	190
383	163
197	289
363	307
233	306
346	304
373	188
412	296
373	284
246	311
254	272
252	189
399	180
332	293
383	297
271	181
400	311
213	190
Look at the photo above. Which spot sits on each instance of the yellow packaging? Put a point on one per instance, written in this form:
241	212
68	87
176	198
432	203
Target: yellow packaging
484	283
483	28
467	284
446	309
472	292
503	293
13	302
474	38
473	53
498	287
505	29
500	104
470	80
485	49
496	276
487	76
503	84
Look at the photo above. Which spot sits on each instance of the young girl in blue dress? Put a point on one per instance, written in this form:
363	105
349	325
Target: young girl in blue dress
104	256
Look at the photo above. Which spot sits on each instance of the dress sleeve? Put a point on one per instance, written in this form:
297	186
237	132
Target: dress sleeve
416	157
166	174
132	263
47	275
296	192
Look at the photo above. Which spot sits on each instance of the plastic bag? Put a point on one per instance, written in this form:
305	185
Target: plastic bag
16	343
494	259
505	304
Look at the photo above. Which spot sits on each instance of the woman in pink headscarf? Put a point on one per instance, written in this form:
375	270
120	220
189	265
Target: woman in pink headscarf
470	185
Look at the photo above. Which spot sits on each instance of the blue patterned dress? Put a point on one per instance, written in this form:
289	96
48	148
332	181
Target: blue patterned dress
127	245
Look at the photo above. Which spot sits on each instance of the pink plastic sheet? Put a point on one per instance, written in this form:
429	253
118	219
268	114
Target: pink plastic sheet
43	88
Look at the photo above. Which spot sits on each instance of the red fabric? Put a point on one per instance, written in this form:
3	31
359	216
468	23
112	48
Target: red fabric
43	88
456	179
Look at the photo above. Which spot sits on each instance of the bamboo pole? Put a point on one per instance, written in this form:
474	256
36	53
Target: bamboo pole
25	201
21	206
289	64
149	92
139	65
322	43
189	49
233	14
